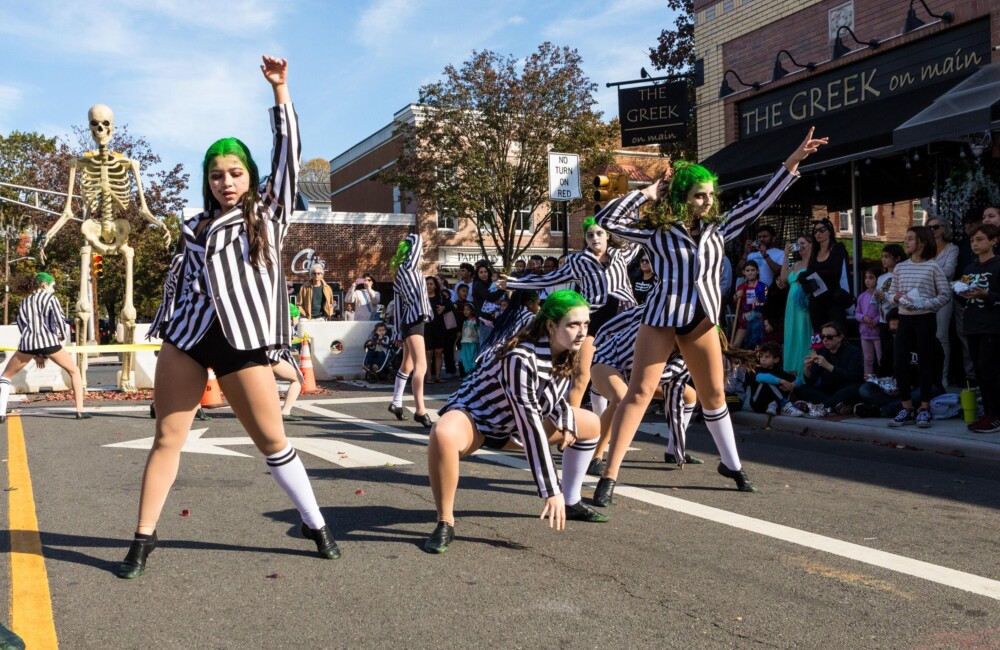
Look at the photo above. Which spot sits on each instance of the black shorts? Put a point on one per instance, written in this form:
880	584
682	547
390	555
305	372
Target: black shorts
41	352
214	351
602	315
414	329
699	315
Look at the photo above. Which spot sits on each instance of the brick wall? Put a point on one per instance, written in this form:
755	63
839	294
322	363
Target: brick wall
347	250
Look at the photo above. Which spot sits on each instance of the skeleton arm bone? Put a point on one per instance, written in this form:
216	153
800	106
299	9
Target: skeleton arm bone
67	212
143	209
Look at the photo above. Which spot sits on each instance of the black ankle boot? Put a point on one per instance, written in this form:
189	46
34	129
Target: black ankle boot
670	459
134	564
424	419
604	492
324	541
439	540
743	483
597	467
397	411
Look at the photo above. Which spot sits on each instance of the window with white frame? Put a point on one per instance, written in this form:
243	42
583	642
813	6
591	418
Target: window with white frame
869	223
845	221
557	223
446	218
524	220
919	214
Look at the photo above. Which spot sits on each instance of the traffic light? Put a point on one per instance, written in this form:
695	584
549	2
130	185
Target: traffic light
610	187
98	266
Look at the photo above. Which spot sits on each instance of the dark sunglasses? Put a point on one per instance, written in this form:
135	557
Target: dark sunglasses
818	229
936	226
830	337
643	261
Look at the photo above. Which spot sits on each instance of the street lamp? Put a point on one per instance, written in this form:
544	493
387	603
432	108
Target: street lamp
6	284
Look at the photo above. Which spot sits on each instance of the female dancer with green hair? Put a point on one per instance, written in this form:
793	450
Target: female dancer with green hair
228	310
685	236
601	272
43	328
517	399
411	312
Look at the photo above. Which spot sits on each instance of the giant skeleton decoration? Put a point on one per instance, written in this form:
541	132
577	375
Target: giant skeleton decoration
106	186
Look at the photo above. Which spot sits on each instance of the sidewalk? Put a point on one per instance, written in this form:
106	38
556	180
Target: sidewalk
944	436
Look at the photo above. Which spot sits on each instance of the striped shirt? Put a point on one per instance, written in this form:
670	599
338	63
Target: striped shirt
689	267
509	397
41	321
217	279
595	281
522	319
409	289
923	278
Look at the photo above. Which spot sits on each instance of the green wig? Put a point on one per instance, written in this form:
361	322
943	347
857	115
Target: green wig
42	276
587	223
293	310
227	147
559	303
402	253
686	176
553	309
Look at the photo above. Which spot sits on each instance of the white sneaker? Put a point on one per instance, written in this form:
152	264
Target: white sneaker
790	410
817	411
772	408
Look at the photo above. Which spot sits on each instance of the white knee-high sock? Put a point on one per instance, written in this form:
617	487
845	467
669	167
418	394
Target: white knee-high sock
598	404
399	388
721	428
287	469
575	460
4	393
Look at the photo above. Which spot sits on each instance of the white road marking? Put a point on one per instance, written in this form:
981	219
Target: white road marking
333	451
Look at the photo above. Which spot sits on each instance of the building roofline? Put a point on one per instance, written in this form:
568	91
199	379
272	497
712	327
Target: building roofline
407	115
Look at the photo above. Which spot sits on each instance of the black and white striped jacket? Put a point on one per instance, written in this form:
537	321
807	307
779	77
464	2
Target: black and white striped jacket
41	321
217	279
689	267
409	289
510	396
614	347
522	319
596	282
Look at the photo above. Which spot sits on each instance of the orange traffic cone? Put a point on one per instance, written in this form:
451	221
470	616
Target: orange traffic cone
306	366
212	397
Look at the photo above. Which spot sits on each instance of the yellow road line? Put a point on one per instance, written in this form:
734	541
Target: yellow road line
31	603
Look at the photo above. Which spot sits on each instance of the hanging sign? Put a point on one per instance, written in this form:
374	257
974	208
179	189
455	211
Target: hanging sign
653	114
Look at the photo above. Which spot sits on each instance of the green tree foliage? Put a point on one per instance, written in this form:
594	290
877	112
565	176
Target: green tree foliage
479	147
315	170
674	52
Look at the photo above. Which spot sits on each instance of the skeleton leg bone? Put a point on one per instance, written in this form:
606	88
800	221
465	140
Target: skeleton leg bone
126	380
83	311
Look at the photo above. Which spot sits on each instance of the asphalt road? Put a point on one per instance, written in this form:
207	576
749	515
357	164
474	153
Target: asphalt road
845	546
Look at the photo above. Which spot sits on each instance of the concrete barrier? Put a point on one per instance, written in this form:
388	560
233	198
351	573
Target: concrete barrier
32	379
328	364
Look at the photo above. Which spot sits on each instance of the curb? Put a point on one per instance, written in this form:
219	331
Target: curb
854	430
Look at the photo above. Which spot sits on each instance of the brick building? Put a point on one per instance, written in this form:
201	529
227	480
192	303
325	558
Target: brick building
887	99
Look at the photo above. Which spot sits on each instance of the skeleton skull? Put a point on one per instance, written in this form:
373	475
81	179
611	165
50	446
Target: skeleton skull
102	123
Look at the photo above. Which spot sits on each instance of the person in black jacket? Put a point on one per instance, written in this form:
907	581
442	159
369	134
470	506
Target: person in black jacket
833	373
982	322
828	262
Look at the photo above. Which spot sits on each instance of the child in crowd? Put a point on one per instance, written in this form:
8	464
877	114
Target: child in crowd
770	385
377	348
982	322
348	311
749	299
470	338
868	313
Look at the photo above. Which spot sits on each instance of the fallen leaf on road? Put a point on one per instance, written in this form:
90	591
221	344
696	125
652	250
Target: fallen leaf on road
185	513
359	491
274	575
739	618
10	489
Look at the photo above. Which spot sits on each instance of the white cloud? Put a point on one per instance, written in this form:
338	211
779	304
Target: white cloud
516	20
382	26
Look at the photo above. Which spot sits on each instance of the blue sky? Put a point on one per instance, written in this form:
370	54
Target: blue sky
182	73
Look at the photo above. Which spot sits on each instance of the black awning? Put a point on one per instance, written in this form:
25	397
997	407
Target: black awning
866	131
970	107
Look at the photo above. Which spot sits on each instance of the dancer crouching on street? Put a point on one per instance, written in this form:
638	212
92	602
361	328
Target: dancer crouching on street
685	237
232	261
412	311
43	328
519	397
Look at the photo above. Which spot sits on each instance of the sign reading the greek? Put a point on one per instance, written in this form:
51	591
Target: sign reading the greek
955	53
564	176
653	114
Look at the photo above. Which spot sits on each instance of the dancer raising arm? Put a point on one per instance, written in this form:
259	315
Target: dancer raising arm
411	312
686	244
520	395
228	311
43	328
602	275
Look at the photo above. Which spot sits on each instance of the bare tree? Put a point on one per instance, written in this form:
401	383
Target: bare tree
315	170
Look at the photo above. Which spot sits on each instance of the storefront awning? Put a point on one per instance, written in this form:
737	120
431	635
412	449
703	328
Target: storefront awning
864	132
973	106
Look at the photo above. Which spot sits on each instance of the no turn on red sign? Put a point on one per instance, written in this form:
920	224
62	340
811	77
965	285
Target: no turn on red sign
564	176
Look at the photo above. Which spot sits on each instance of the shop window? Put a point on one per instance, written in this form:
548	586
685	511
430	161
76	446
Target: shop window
524	220
870	224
